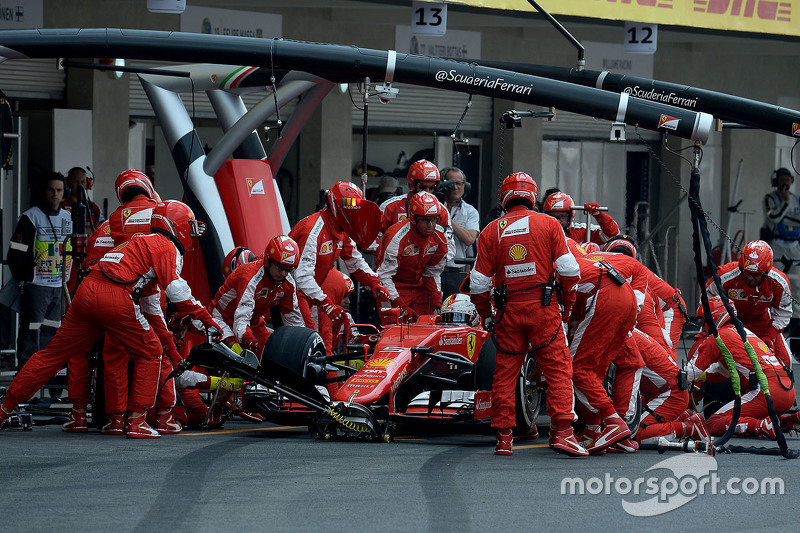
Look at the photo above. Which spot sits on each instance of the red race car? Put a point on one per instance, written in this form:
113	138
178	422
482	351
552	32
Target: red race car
438	369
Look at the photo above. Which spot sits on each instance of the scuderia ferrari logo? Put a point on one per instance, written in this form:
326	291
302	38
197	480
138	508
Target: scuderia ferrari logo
668	122
255	186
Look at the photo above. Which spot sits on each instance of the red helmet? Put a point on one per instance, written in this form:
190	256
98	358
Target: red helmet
284	251
422	170
590	247
348	283
623	244
359	218
237	257
423	204
719	314
558	201
130	180
756	257
176	220
343	196
518	185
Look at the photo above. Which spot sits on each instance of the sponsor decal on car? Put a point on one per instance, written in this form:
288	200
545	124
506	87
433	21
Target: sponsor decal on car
449	340
795	129
483	405
380	362
399	379
370	381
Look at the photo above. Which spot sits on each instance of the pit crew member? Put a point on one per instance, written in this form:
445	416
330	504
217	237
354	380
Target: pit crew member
412	257
324	236
559	205
754	417
761	293
107	301
518	255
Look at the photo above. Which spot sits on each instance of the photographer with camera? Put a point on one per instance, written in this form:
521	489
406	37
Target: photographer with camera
782	224
465	221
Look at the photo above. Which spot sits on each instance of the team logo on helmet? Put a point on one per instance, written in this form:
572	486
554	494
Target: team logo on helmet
558	204
518	252
795	129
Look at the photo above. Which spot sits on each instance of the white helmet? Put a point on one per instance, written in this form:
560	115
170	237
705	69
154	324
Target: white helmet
459	309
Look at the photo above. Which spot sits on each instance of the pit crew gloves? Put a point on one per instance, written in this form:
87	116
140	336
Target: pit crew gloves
335	312
593	208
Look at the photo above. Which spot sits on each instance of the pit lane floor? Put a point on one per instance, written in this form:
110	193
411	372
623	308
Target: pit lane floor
263	477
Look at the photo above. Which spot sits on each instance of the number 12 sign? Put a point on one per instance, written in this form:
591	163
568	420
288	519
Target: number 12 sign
641	38
428	18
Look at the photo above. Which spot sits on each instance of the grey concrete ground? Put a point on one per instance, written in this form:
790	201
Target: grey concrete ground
269	478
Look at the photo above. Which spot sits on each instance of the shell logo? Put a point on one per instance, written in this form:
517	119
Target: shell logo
411	249
380	362
763	347
326	248
518	252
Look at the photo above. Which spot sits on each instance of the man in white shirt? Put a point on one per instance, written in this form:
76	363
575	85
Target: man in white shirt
465	221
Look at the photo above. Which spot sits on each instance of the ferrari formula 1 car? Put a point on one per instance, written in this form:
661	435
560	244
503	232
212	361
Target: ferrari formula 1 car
426	371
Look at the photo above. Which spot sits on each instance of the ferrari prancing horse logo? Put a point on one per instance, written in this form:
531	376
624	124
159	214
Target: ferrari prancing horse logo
471	336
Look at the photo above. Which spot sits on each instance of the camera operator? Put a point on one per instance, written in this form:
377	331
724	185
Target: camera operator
466	224
782	219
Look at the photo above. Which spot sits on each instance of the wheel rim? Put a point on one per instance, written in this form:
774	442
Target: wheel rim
529	393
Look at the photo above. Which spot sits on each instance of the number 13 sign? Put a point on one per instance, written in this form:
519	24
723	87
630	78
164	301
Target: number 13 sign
641	38
428	18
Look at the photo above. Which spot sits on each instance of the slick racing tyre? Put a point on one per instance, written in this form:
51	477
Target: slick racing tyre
293	347
528	397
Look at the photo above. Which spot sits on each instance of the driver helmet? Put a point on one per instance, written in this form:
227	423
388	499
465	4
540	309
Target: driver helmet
459	309
237	257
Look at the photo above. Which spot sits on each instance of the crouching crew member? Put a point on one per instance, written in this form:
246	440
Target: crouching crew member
108	301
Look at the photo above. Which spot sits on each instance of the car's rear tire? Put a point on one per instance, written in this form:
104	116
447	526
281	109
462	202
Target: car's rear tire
527	395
